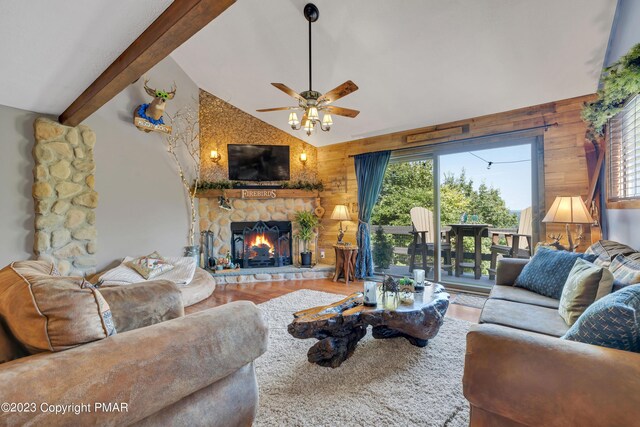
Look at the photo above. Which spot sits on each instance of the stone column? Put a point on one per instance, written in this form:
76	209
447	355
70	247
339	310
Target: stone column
64	196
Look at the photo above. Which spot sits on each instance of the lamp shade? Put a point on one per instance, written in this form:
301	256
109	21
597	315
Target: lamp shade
568	210
312	113
341	213
293	119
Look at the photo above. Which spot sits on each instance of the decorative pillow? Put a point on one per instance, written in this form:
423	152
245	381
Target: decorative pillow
150	266
634	256
625	270
607	250
548	270
51	313
586	283
611	321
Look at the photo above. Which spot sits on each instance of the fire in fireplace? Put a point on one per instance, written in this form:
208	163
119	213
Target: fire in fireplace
261	243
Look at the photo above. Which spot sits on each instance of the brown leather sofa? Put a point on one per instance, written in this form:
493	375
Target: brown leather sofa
167	368
518	372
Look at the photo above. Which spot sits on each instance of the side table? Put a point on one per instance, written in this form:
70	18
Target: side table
345	262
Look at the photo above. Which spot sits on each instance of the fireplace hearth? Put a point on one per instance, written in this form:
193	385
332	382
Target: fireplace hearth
261	243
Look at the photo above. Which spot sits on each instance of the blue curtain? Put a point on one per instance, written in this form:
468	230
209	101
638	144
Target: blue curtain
370	170
604	215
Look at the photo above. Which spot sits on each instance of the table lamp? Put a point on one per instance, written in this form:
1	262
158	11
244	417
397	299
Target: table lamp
569	210
341	213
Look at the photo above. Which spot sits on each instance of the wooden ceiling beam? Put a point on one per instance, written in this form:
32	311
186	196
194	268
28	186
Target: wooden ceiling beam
181	20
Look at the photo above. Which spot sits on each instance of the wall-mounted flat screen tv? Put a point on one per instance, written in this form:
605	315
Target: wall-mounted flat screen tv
258	162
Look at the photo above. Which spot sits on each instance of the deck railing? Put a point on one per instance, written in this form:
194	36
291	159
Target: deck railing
401	251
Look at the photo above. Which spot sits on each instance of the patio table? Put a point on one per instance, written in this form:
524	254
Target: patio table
477	231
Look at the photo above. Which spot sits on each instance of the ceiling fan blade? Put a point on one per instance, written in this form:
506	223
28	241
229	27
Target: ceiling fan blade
339	111
341	91
286	89
266	110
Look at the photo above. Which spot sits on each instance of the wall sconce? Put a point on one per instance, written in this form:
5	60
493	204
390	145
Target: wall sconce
303	157
215	156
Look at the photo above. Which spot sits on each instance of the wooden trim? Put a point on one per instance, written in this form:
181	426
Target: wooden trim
624	204
280	193
436	134
181	20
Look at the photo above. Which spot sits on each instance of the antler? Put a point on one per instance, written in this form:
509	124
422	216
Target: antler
555	237
150	91
172	92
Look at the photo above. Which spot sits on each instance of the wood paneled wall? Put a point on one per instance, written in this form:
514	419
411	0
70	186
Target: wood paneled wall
565	165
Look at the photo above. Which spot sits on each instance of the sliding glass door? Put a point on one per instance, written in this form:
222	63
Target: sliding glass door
486	209
454	209
407	199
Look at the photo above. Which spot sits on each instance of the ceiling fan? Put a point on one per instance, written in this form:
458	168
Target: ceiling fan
311	101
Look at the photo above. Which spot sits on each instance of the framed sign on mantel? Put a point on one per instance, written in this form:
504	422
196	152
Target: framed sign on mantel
258	194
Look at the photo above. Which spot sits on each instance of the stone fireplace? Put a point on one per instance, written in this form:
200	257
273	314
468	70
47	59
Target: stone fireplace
261	244
269	211
251	222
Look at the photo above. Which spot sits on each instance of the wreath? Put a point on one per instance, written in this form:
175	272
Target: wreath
619	83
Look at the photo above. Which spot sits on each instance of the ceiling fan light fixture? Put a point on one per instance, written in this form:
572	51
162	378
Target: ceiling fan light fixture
311	102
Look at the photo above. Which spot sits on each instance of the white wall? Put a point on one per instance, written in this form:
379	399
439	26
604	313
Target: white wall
16	178
623	223
142	206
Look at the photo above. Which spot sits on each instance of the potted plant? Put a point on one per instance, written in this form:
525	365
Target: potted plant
306	221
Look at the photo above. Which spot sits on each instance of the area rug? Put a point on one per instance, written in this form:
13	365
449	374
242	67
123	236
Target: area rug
385	382
469	300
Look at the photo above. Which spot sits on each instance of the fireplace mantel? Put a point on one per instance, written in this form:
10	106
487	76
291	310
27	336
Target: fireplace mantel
258	194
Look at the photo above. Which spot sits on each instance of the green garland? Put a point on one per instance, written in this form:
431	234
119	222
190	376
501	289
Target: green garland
620	83
225	185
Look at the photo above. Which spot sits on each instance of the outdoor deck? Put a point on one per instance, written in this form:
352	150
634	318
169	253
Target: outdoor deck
400	266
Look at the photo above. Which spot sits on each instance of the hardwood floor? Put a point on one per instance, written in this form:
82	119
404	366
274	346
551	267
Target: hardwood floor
264	291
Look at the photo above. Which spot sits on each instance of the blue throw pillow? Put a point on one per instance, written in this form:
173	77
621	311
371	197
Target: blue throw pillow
612	321
548	270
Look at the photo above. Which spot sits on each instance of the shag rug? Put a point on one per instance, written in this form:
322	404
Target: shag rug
469	300
385	382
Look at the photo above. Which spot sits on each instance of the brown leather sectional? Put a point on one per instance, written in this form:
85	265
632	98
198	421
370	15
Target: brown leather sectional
518	372
166	368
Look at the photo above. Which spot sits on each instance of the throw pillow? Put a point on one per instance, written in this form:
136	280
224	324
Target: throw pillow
150	266
626	271
548	270
607	250
51	313
611	321
586	283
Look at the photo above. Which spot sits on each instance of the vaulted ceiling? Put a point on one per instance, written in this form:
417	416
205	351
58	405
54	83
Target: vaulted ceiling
52	50
417	62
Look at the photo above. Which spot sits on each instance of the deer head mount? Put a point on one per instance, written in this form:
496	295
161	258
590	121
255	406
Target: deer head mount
148	117
160	97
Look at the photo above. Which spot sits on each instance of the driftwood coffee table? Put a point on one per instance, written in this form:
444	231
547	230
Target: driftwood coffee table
339	326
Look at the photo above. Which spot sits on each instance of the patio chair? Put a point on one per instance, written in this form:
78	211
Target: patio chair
518	244
423	243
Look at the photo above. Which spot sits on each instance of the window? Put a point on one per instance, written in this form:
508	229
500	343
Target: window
624	149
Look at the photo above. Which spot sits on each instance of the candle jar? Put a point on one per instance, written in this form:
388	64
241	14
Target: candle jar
370	294
418	279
